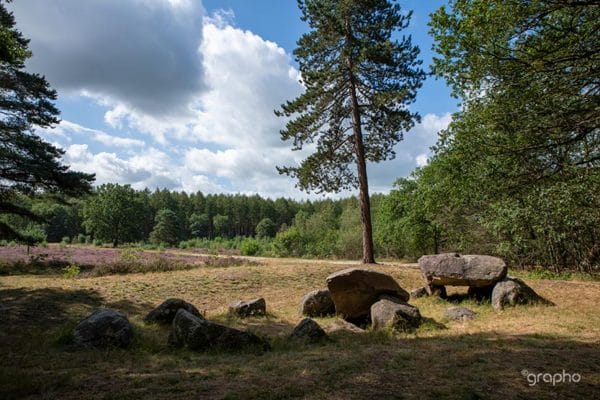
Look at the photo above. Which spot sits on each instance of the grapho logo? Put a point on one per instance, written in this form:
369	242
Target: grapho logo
553	379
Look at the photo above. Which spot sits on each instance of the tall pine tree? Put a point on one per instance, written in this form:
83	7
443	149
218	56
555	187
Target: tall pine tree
27	164
359	81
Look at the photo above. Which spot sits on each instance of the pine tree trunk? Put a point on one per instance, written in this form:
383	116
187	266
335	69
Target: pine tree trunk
363	184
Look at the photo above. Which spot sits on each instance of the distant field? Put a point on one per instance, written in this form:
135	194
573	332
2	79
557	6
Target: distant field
480	359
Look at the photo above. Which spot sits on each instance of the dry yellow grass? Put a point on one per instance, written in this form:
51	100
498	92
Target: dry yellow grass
478	359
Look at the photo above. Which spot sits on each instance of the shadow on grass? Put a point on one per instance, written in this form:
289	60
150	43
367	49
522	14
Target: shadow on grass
477	366
43	308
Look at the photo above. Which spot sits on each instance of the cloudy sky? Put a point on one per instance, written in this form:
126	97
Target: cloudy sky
180	94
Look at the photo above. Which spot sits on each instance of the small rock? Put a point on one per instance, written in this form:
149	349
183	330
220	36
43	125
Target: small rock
453	269
513	291
420	292
248	308
308	330
354	290
317	303
104	327
165	312
202	335
397	313
459	313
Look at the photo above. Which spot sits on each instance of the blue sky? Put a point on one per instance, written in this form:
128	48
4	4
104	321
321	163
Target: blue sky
180	93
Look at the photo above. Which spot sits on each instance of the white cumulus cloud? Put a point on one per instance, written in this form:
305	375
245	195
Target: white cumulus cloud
201	90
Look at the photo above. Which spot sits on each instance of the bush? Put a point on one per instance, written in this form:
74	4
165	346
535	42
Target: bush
70	271
66	240
98	242
289	243
250	247
81	238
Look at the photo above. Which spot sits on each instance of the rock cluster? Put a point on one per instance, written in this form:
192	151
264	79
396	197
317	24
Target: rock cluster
106	327
360	296
354	291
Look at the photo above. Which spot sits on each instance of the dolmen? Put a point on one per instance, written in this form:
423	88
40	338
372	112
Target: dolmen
452	269
485	276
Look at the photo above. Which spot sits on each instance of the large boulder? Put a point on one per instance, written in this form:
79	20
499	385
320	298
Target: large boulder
457	270
309	331
354	290
103	328
513	291
165	312
317	303
243	309
396	313
202	335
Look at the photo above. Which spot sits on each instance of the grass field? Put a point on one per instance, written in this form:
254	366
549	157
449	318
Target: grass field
479	359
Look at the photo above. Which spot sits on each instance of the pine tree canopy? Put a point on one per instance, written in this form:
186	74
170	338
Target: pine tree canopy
27	163
351	48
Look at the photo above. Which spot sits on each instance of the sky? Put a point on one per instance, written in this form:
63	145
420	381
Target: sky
179	94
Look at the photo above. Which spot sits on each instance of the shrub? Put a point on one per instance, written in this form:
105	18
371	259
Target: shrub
81	238
250	247
98	242
66	240
130	255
